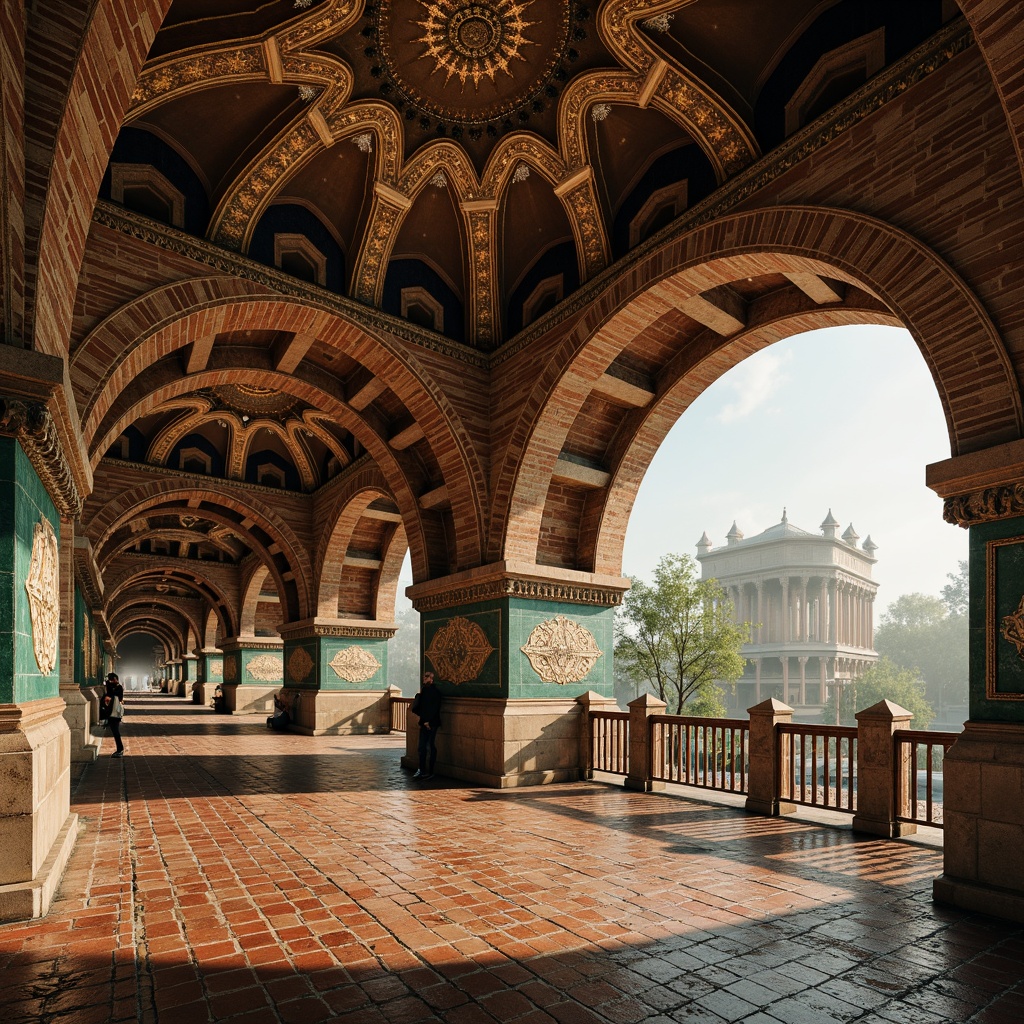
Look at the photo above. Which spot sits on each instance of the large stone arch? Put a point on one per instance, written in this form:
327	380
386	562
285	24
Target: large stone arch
142	332
143	620
115	39
961	346
252	587
266	530
996	25
355	496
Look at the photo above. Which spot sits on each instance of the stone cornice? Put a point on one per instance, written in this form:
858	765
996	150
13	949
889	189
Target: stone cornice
251	643
338	628
887	85
982	486
33	426
87	575
206	253
509	579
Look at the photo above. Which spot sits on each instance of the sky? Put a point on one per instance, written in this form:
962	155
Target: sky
845	418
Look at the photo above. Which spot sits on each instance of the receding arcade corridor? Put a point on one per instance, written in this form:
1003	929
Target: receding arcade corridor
226	873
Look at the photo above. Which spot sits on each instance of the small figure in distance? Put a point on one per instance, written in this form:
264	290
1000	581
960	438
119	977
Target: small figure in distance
427	705
281	718
112	710
220	704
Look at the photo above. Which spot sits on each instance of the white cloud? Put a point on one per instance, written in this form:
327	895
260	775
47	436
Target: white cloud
753	384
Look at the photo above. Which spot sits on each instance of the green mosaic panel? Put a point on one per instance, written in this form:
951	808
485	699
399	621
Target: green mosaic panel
351	656
508	625
23	502
997	609
212	668
260	678
301	663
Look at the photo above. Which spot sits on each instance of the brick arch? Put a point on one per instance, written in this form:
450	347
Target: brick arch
997	31
115	39
212	306
265	530
251	589
401	473
357	494
145	621
204	588
209	633
964	353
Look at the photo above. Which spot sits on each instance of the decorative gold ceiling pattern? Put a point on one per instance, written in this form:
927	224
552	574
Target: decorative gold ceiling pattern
484	91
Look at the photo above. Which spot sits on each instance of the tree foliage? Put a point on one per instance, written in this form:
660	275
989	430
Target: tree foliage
883	681
929	635
676	637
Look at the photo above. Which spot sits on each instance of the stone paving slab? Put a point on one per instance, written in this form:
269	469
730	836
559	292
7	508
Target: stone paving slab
226	873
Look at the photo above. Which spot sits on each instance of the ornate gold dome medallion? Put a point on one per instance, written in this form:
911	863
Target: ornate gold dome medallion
474	41
455	65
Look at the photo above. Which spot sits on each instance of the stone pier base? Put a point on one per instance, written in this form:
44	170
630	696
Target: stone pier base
79	713
340	712
983	812
250	700
506	743
37	830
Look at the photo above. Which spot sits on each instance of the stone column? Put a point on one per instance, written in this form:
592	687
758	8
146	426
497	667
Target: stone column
784	662
983	785
803	678
876	770
190	678
37	828
763	795
757	679
640	749
210	672
513	646
336	673
759	585
253	673
805	618
787	612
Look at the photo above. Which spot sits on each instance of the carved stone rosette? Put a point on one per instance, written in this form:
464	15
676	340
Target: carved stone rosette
458	650
300	664
561	651
43	590
267	668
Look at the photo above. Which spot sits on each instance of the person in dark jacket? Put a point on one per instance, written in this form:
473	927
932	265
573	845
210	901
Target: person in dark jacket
427	705
112	710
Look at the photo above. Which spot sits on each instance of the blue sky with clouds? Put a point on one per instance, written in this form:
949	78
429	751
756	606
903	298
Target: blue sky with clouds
845	418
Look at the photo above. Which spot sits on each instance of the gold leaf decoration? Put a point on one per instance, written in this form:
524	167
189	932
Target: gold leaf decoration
44	595
354	664
230	670
458	650
300	664
561	651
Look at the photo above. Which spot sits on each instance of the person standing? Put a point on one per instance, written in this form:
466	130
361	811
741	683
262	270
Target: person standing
112	709
427	705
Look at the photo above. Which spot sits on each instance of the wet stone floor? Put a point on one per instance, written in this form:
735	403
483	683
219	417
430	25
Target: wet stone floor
225	873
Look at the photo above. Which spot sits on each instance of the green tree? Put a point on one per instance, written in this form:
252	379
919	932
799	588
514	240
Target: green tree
956	592
404	653
923	633
883	681
677	637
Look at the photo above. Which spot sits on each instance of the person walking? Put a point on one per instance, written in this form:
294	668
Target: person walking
112	710
427	706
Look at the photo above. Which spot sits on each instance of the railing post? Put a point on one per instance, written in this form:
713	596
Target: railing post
768	758
640	710
389	704
590	701
876	770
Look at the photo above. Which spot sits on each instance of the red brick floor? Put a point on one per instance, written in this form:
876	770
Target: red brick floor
224	873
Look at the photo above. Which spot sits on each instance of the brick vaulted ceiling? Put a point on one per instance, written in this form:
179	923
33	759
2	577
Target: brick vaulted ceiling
375	275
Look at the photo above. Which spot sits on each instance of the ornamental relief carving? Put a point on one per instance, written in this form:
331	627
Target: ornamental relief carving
354	664
459	650
1013	629
561	650
300	664
231	670
267	668
984	506
215	669
43	590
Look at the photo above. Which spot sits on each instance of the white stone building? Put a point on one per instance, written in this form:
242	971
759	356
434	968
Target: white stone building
810	600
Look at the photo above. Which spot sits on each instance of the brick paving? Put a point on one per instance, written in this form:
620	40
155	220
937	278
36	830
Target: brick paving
224	873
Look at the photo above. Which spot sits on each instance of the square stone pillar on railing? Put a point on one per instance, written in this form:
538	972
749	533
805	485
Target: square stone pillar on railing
588	702
640	753
877	770
769	758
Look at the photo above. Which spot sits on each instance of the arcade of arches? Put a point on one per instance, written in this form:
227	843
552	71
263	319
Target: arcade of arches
288	294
